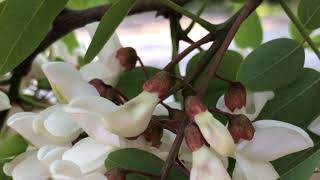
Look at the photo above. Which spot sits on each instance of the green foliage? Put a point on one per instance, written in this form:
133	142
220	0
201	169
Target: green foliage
228	69
12	146
71	42
22	32
131	82
309	13
295	34
250	34
109	22
82	4
135	159
272	65
2	175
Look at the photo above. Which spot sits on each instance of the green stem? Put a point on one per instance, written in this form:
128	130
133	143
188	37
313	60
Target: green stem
300	27
210	27
199	12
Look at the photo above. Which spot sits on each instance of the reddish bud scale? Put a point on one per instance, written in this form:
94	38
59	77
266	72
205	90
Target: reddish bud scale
240	127
116	174
236	96
159	83
194	106
153	134
127	57
193	137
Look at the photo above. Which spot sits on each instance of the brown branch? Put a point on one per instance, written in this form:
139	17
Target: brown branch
247	9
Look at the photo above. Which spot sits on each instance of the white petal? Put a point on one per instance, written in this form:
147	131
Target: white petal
315	176
88	154
132	118
4	101
49	154
162	111
30	168
93	176
60	124
216	134
64	170
255	103
315	126
207	166
67	81
98	70
92	124
9	166
274	139
247	169
36	71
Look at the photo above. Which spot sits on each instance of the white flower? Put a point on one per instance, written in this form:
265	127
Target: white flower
107	67
254	104
216	134
315	126
207	165
67	82
4	101
51	126
272	140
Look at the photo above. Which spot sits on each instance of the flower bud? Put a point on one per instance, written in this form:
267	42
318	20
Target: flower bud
194	106
159	83
127	57
116	174
153	134
240	127
235	97
193	137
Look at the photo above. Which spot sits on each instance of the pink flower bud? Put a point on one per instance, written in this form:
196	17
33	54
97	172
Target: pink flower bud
194	106
116	174
159	83
153	134
235	97
193	137
127	57
240	127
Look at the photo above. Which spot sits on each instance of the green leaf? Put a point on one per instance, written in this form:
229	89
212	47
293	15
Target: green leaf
272	65
109	23
131	82
295	34
12	146
250	34
135	159
309	13
228	69
82	4
71	42
23	24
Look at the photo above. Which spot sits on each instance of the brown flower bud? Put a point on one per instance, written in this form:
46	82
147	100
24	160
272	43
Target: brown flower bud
194	106
127	57
235	96
108	92
153	134
193	137
240	127
160	83
116	174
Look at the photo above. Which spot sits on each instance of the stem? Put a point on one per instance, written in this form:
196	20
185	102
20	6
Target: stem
199	12
247	9
210	27
300	27
146	74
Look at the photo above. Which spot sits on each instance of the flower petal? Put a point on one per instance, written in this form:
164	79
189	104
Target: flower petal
207	166
48	154
93	176
274	139
67	81
216	134
64	170
315	126
89	155
255	102
247	169
4	101
9	166
30	168
162	111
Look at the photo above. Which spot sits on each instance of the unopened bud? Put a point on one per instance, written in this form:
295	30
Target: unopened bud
108	92
235	97
240	127
193	137
159	83
153	134
194	106
127	57
116	174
